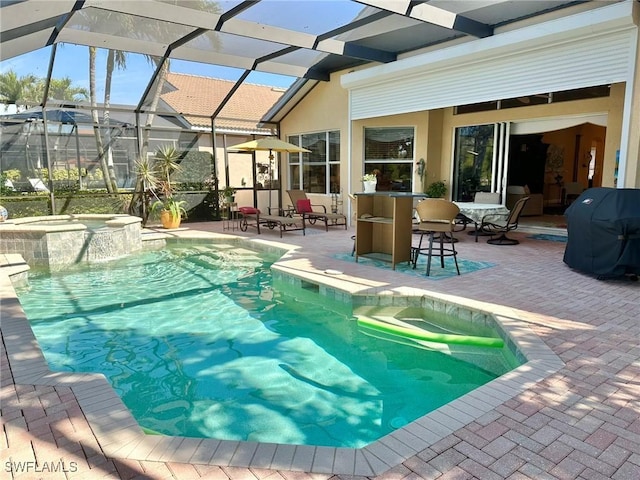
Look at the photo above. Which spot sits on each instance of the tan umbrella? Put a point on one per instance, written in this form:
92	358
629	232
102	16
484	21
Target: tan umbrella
270	144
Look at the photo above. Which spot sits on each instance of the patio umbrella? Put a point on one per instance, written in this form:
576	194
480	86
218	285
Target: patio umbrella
270	144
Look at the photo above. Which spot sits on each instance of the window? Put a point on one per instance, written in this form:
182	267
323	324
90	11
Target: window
390	151
538	99
319	170
473	166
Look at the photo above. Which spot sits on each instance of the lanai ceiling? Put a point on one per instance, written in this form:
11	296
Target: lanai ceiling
306	39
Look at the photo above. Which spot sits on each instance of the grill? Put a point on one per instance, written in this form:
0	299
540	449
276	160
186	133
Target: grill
603	230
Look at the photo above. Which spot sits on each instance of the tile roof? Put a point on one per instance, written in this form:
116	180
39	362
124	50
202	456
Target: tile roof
201	96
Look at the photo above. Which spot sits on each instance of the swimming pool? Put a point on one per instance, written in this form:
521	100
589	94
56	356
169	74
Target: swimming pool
256	350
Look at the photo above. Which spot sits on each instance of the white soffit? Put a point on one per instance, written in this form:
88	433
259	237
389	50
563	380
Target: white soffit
552	124
589	48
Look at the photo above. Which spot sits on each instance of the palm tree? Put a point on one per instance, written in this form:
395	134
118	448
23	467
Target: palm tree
163	68
59	89
14	90
108	181
62	89
115	59
165	31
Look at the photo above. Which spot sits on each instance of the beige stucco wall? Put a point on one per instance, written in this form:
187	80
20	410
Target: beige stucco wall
325	108
633	162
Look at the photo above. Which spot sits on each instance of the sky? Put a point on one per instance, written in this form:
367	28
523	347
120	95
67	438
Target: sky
127	85
309	16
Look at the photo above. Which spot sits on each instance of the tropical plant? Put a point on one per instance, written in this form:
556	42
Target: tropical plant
166	163
228	191
14	89
174	207
436	189
63	89
109	182
5	188
156	33
30	89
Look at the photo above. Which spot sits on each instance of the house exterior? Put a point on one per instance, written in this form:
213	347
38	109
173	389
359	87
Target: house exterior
236	122
545	102
74	159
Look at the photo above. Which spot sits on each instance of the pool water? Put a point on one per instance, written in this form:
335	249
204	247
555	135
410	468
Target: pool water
198	342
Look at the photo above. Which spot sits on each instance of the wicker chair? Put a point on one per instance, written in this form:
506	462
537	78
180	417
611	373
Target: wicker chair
437	216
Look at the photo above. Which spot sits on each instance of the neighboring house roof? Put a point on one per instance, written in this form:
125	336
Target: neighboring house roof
200	96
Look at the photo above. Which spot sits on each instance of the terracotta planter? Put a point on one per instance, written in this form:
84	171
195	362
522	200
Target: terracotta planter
168	220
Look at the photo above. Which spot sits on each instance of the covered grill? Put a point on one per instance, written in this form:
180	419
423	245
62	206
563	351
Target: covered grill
603	227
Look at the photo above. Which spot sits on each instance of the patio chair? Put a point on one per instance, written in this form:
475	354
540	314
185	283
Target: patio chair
437	216
301	205
486	197
497	224
38	185
252	217
479	197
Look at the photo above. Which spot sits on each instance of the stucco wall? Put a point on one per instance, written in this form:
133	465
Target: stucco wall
325	108
633	156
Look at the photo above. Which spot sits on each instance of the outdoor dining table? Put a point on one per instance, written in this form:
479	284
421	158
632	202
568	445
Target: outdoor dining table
476	212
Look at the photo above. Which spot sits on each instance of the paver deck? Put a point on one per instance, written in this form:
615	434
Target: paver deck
581	421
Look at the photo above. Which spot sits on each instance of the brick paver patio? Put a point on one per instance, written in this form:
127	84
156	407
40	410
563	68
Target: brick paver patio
580	422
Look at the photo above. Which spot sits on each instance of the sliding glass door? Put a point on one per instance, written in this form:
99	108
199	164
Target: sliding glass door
479	160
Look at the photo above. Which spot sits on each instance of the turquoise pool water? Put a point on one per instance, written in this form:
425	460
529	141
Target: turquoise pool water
198	342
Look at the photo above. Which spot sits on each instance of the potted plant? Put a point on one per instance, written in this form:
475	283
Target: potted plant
369	181
436	189
228	193
171	209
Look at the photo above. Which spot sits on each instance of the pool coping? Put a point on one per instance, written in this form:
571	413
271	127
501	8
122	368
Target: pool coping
120	436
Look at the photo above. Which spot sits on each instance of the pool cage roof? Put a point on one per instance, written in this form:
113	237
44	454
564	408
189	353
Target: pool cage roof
304	41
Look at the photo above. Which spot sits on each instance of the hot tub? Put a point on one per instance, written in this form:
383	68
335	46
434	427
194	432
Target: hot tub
57	241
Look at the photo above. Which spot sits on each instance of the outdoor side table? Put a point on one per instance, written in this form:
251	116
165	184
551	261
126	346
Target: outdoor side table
230	216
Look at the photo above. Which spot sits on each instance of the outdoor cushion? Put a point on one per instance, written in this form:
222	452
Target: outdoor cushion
304	206
248	210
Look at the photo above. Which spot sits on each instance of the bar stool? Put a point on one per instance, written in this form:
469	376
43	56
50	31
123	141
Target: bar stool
437	216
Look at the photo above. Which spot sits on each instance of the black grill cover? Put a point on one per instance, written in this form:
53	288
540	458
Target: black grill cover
603	230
